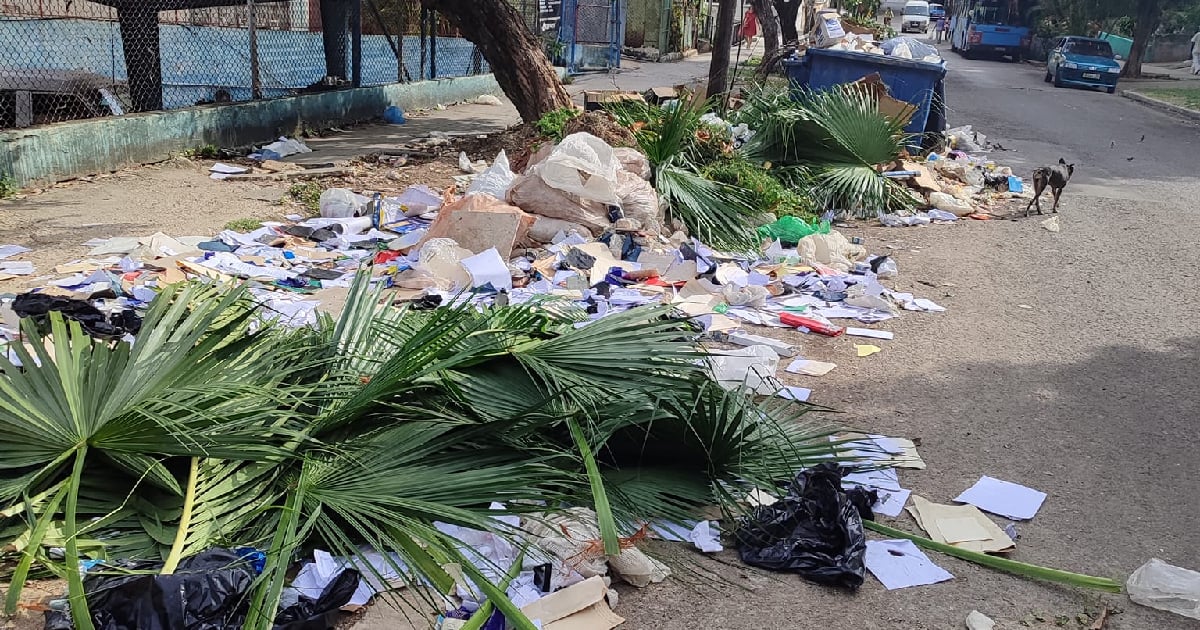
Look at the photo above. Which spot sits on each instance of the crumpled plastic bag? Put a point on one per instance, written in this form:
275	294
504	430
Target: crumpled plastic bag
639	200
342	203
494	181
209	591
915	48
815	531
789	229
582	165
535	196
573	539
832	249
951	204
633	161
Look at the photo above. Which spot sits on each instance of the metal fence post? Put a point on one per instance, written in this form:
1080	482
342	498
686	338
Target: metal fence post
433	26
356	43
252	32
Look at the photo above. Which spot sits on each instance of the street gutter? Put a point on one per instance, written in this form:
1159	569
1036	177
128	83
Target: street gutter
1156	103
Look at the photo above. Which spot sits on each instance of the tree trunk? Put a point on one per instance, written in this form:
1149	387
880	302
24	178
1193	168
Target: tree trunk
718	67
143	65
770	26
1148	14
515	55
788	11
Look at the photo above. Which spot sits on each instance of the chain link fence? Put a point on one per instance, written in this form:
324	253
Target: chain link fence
71	59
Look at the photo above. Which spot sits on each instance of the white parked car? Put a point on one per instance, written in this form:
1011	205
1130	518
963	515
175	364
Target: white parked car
915	18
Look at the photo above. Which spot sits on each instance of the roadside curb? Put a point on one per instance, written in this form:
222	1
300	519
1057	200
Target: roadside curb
1161	104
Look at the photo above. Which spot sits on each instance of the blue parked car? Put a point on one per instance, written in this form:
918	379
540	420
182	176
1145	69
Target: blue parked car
936	11
1083	62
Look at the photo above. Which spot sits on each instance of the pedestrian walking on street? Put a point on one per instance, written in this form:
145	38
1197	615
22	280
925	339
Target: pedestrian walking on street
940	28
887	17
750	27
1196	52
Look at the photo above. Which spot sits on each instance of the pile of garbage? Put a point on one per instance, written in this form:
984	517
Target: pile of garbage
962	182
830	32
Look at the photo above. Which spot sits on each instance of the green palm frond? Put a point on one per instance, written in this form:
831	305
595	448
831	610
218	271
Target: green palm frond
718	214
836	141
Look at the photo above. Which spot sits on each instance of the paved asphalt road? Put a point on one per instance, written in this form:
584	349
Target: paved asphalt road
1090	395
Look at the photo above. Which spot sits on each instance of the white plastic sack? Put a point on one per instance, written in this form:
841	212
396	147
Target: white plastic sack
832	249
533	195
753	367
582	165
639	200
633	161
1159	585
496	180
341	203
948	203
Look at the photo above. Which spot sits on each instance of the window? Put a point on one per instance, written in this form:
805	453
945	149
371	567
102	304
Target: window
1088	47
917	9
991	13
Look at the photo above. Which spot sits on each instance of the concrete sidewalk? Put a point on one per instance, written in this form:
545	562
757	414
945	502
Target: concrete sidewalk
467	119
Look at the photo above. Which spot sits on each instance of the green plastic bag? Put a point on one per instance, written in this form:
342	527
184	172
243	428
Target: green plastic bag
789	229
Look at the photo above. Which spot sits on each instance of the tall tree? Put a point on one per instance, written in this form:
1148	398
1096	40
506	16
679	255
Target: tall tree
788	11
718	67
515	54
1145	21
770	25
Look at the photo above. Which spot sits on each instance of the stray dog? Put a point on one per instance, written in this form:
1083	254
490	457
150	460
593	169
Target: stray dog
1056	177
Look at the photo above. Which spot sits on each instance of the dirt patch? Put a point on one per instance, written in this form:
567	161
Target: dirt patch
603	126
518	142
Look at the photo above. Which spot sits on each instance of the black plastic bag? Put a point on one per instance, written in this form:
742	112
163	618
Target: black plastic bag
208	591
92	319
320	613
815	531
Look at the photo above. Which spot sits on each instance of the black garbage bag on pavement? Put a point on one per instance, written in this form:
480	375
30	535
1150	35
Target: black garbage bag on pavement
208	591
815	531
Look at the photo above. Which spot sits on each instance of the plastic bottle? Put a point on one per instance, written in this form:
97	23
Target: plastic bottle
1159	585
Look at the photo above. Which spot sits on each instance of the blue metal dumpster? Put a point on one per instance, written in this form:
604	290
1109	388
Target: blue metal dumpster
918	82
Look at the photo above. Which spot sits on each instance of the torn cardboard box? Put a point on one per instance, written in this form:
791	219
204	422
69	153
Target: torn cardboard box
581	606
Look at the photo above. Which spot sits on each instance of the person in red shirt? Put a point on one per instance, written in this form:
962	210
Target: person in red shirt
750	27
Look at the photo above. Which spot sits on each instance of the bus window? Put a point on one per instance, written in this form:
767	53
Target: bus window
990	13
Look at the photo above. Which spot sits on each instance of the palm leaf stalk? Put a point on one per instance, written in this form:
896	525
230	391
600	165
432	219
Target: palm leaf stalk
1023	569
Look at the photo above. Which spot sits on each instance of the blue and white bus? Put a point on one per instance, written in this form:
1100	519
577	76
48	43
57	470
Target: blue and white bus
988	27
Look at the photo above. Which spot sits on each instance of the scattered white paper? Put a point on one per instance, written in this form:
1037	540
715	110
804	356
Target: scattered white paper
900	564
488	267
706	537
1005	498
869	332
886	483
791	392
7	251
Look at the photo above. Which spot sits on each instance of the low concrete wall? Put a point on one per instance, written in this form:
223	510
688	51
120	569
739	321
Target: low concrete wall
83	147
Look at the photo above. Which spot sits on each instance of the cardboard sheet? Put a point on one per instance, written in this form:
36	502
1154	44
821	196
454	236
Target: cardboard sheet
960	525
580	606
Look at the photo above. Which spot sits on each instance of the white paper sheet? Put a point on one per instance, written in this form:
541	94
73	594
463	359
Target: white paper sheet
870	332
706	537
488	266
886	482
17	268
900	564
792	392
1005	498
8	251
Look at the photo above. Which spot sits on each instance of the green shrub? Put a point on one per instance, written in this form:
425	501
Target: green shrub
770	195
553	123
